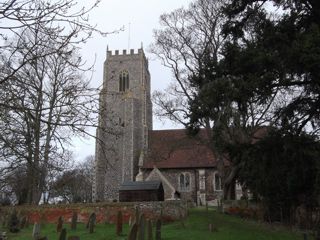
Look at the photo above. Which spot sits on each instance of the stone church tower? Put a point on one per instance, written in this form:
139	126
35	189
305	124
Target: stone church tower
124	120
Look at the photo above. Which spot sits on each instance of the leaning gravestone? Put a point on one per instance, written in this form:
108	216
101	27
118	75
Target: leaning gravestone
14	222
137	215
158	229
141	227
133	232
63	234
74	220
119	223
92	222
92	215
59	224
149	230
36	231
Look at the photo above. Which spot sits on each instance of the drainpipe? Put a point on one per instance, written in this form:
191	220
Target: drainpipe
196	186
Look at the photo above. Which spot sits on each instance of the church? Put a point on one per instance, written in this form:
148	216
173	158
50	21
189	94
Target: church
128	149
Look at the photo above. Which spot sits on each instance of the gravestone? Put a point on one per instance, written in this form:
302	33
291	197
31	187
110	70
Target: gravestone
92	215
92	222
14	222
23	222
73	238
74	220
43	220
141	227
36	231
133	232
137	215
181	218
212	228
59	224
149	230
63	234
130	221
158	229
119	223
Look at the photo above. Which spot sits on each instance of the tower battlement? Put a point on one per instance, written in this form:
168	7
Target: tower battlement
124	52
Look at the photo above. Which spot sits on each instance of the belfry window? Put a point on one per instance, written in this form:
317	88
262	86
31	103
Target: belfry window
184	182
123	81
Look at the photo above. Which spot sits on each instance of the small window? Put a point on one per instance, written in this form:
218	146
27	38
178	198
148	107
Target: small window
217	182
202	183
184	182
123	81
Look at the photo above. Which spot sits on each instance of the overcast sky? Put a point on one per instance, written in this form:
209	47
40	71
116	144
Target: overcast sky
142	16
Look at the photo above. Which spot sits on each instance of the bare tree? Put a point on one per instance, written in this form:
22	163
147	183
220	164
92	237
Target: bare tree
75	185
46	102
64	21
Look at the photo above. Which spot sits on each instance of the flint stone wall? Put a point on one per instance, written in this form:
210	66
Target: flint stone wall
105	212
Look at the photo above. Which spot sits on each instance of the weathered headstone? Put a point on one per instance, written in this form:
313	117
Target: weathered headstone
107	216
92	215
63	234
130	221
133	232
149	230
92	222
137	215
141	227
161	212
59	224
181	218
74	220
212	228
23	222
36	231
14	222
158	229
119	223
27	223
73	238
43	219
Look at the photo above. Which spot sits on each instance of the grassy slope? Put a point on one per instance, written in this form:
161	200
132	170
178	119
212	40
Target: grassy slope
229	228
196	228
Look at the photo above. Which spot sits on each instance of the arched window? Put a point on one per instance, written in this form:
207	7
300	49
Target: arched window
123	81
217	185
184	182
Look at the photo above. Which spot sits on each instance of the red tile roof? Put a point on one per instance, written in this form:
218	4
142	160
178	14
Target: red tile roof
176	149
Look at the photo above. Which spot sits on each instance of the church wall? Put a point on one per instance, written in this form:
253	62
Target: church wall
172	175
